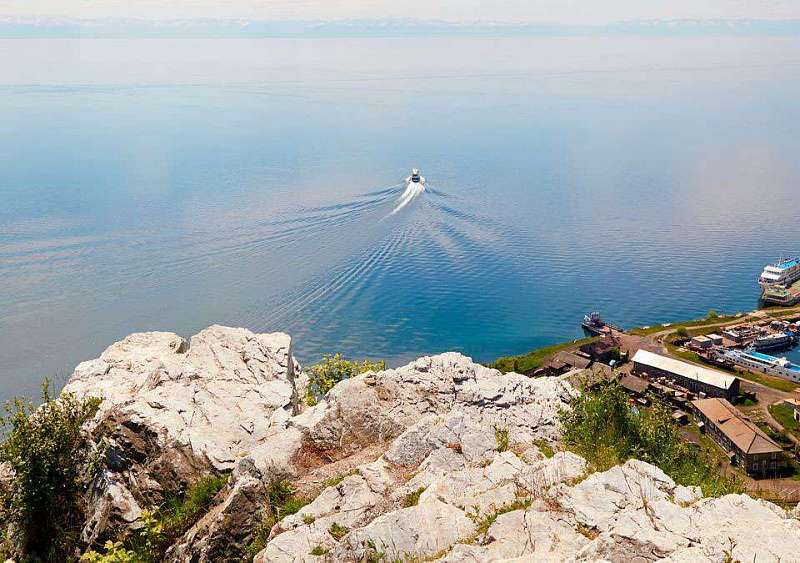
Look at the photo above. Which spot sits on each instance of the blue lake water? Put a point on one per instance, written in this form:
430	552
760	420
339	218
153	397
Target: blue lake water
172	184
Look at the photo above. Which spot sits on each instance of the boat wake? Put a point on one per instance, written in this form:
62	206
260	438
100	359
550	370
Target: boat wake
411	192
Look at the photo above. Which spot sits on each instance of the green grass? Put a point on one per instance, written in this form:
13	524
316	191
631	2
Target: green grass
716	322
335	480
782	439
179	512
412	498
545	448
532	360
338	531
501	437
777	383
783	415
283	501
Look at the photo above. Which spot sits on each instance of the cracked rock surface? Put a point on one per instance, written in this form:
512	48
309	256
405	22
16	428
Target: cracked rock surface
453	472
173	411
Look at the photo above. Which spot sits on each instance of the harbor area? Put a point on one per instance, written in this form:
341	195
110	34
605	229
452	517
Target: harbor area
748	419
752	346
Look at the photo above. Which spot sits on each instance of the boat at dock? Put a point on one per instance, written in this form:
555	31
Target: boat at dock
780	282
594	324
764	363
775	341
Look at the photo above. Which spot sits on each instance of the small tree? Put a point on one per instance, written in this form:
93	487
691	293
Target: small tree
712	314
682	332
47	453
333	369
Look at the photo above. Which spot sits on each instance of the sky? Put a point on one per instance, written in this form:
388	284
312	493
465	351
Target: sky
511	11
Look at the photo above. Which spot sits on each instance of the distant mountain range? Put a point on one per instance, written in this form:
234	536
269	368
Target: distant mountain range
55	27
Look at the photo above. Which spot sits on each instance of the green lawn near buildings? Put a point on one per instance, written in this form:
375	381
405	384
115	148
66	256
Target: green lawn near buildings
535	358
783	415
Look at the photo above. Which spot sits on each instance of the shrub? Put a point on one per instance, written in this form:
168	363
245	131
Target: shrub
333	369
319	550
682	332
604	429
712	314
115	552
48	455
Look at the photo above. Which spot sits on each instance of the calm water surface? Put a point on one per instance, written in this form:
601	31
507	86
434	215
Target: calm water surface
168	185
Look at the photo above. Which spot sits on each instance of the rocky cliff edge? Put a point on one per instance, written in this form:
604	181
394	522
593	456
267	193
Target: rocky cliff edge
435	460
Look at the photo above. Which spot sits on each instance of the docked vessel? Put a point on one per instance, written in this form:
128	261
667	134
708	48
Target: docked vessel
780	282
784	272
764	363
594	323
776	341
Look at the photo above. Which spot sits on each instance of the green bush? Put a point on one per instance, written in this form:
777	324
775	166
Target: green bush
49	456
606	430
682	332
333	369
712	314
115	552
526	363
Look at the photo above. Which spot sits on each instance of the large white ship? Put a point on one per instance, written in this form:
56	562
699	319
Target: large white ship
778	282
783	272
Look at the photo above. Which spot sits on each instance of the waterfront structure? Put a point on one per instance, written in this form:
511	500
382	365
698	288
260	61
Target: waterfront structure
697	379
716	339
744	442
764	363
701	342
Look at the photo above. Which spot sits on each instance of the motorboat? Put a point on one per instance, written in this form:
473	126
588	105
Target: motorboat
415	178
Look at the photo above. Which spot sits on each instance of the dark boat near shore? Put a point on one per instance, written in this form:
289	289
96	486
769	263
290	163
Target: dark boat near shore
594	323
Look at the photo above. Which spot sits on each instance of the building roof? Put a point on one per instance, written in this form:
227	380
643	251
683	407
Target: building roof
747	437
571	359
601	346
633	383
684	369
793	403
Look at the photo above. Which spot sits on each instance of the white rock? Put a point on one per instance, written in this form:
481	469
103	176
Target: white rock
182	410
419	531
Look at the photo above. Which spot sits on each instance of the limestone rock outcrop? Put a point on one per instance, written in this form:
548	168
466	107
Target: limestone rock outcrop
435	460
173	410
